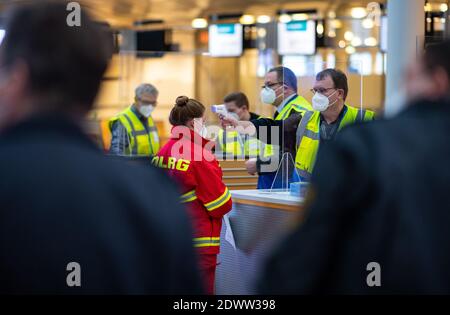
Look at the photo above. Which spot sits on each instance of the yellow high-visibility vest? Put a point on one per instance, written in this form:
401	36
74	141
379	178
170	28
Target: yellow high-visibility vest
298	104
308	136
231	143
142	142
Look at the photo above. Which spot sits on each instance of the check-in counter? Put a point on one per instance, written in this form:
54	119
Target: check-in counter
257	223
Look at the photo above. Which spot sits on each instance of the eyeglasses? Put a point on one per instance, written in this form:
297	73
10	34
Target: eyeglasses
271	85
321	91
146	103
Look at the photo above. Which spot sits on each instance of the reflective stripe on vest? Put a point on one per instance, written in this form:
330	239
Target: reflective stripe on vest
231	143
253	147
206	241
298	104
142	142
308	136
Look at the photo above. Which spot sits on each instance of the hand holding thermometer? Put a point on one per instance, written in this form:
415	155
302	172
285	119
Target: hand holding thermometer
231	121
219	110
227	119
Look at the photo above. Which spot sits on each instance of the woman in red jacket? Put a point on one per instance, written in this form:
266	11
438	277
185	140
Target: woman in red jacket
188	158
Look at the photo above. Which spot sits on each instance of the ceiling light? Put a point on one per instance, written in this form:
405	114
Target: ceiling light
199	23
349	36
358	13
368	23
285	18
262	32
350	50
335	24
300	17
247	19
263	19
370	41
320	28
356	41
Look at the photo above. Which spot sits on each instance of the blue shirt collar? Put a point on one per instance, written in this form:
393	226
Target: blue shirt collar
285	102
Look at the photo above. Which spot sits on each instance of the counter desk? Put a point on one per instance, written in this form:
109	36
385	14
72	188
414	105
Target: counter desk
258	221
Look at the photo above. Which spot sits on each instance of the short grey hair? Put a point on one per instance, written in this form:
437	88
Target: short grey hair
146	88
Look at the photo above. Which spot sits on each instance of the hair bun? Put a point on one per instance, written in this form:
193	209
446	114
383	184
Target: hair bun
182	101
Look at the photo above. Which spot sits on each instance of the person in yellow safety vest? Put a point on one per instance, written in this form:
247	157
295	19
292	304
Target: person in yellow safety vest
232	144
279	90
133	131
330	115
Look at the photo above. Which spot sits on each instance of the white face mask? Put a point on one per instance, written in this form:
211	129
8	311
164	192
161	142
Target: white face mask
268	96
200	128
204	132
146	110
321	102
234	115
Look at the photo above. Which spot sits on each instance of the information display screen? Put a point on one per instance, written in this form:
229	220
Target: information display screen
225	40
297	38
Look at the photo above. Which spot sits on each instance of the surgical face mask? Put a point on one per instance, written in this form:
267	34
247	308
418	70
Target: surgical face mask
146	110
234	115
321	102
268	96
204	132
200	128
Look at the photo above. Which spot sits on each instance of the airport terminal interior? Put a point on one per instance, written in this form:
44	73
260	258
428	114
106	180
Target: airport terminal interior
173	41
167	43
288	62
176	46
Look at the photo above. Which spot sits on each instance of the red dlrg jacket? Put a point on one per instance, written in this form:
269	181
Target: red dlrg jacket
188	158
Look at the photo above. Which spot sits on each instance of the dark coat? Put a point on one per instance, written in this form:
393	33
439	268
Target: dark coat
381	194
63	201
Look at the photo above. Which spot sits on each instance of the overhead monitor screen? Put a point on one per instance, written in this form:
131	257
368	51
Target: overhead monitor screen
297	38
225	40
